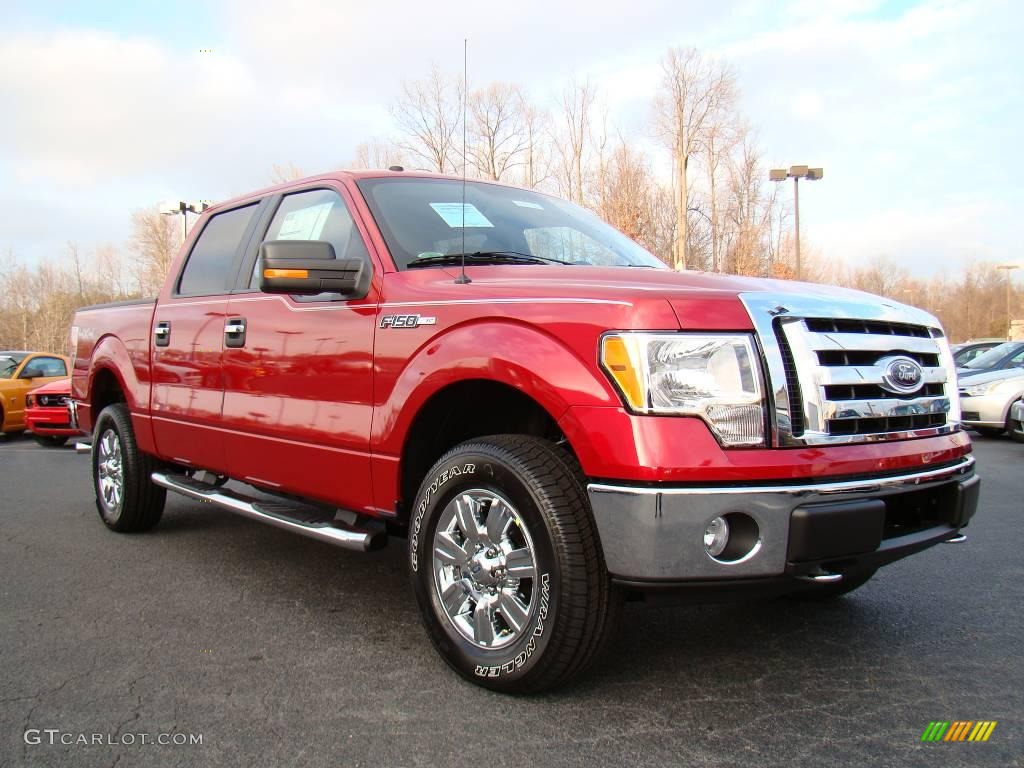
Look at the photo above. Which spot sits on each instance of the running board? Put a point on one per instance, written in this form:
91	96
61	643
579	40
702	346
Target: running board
276	514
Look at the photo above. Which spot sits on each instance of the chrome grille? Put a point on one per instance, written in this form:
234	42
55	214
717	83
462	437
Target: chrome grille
826	358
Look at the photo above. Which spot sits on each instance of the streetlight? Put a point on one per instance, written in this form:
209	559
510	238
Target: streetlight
184	208
796	172
1009	283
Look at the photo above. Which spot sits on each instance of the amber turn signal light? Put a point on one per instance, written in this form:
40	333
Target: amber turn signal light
293	274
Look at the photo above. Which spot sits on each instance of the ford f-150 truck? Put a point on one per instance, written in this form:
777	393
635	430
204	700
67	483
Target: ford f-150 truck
550	417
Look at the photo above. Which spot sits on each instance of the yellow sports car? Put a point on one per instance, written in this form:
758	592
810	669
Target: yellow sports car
19	373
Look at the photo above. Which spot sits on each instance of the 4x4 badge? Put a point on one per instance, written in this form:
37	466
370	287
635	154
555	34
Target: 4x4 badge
406	321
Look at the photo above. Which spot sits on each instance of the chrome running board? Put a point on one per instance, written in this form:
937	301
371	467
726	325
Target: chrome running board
275	513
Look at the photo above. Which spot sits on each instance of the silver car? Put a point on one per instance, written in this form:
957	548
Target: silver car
985	399
1017	420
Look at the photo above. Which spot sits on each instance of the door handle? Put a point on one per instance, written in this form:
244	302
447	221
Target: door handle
234	332
162	334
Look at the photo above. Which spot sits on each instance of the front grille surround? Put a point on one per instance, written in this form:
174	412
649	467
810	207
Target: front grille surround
822	356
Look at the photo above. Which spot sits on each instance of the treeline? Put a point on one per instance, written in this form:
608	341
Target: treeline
715	210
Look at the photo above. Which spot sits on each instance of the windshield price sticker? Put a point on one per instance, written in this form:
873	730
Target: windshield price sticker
452	215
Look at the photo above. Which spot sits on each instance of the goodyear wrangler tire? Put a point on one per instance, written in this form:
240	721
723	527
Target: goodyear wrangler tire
126	498
506	564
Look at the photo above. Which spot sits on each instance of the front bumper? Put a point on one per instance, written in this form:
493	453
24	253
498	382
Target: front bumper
50	421
1017	419
653	535
984	411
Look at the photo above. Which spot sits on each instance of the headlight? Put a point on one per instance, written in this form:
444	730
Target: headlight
30	400
978	390
713	376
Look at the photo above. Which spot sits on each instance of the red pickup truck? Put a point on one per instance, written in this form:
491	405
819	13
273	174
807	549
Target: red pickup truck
548	415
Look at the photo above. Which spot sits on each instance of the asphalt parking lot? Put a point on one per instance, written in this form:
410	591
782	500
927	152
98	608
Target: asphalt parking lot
282	651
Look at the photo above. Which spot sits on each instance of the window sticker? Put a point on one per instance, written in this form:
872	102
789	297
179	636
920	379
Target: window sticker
305	223
525	204
451	214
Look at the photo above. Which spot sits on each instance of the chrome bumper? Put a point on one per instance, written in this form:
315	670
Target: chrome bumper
656	533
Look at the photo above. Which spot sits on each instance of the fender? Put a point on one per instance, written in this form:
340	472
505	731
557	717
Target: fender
110	354
502	350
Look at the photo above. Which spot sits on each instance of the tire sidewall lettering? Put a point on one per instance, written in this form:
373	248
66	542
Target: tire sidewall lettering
431	490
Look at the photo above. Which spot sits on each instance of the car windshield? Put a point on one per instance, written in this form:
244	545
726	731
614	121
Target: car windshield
995	355
8	365
423	218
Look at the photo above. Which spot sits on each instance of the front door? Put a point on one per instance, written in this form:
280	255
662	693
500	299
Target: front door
298	372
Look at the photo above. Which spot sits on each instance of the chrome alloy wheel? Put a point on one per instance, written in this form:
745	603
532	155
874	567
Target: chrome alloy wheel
110	475
484	568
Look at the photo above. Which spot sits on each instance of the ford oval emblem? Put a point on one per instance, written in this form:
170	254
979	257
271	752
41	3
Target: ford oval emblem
901	375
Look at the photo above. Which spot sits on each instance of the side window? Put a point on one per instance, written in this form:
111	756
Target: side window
319	214
208	269
49	366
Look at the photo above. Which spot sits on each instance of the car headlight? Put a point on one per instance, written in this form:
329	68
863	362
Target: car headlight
977	390
30	400
713	376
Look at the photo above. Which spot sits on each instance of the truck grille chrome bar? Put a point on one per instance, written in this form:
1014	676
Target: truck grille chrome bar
828	363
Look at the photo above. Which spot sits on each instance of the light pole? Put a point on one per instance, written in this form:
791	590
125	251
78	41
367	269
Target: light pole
796	172
1009	288
184	208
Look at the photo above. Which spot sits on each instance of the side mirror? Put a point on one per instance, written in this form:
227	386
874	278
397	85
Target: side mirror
307	267
31	372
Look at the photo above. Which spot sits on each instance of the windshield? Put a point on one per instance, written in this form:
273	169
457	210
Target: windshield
8	365
423	218
995	355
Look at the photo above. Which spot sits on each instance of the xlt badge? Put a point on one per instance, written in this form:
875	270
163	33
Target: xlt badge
406	321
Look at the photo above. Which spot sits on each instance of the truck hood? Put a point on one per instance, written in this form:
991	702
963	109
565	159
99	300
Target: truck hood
683	290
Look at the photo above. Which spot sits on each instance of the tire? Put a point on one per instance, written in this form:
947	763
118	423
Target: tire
989	431
126	498
51	441
850	582
488	510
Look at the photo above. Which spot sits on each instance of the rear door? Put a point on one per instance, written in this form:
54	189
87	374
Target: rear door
188	339
298	371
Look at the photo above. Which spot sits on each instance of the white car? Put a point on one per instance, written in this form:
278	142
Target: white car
985	399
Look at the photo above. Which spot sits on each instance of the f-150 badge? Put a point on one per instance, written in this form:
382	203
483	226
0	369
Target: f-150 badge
406	321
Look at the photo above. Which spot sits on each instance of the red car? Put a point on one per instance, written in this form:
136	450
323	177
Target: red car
47	413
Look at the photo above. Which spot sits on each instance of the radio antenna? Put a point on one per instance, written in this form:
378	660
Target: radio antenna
463	278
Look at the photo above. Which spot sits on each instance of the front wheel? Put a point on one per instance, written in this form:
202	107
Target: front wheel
507	567
126	498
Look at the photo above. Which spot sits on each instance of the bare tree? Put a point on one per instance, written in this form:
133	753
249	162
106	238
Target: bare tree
695	93
572	145
497	138
429	114
280	174
536	166
155	242
376	153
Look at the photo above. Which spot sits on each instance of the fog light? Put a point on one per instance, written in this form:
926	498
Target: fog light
716	536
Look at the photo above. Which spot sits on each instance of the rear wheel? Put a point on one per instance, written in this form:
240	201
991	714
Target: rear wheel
51	441
126	497
507	566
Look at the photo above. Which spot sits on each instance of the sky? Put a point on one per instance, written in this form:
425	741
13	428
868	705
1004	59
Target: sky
913	109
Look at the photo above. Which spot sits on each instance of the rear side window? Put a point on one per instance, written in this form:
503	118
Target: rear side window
209	267
319	214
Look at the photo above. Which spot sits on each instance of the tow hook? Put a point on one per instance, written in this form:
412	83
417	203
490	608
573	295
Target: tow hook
821	577
960	538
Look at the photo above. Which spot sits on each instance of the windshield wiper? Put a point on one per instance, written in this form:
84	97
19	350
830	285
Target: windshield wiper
484	257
